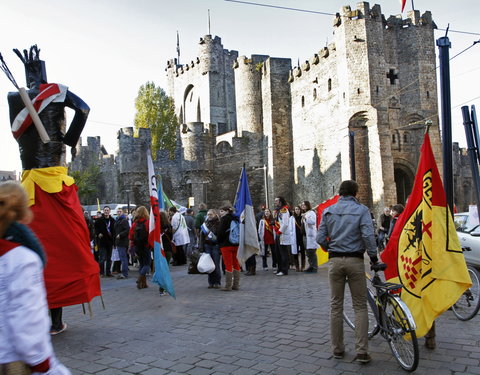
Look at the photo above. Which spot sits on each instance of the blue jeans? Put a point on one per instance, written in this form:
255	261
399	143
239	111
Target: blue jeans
214	277
122	253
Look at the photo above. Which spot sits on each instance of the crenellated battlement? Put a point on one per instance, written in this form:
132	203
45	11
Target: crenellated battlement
349	19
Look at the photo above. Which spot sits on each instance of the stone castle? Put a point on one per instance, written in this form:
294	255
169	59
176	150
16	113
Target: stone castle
356	109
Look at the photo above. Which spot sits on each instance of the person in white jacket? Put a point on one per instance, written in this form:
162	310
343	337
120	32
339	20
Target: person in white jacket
181	236
25	342
282	235
310	223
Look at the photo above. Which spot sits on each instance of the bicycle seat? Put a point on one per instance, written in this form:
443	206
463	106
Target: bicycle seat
378	267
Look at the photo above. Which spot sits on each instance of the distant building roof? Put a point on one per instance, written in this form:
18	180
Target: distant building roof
8	175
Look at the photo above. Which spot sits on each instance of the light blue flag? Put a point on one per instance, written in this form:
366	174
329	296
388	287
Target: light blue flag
162	271
248	243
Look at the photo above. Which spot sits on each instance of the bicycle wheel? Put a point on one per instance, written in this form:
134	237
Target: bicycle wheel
401	334
468	304
349	314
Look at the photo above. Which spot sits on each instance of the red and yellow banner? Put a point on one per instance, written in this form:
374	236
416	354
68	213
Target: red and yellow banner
424	252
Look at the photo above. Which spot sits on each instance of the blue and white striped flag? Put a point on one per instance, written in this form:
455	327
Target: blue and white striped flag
248	244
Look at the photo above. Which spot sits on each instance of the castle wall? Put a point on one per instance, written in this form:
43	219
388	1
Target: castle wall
358	105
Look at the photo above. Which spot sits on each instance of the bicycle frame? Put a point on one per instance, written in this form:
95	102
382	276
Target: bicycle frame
382	291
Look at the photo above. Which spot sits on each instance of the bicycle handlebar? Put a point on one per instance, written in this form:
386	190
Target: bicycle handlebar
378	267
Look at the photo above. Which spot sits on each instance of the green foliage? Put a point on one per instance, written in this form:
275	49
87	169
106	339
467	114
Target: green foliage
156	111
259	66
87	184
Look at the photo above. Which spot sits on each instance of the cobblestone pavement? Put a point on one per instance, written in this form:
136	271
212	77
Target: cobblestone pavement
273	325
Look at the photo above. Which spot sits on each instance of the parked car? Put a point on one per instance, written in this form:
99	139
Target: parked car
469	234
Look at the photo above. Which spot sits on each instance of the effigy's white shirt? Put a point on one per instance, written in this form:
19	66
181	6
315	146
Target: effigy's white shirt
24	320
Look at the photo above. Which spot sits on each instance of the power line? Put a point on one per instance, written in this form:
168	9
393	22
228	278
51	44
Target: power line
279	7
324	13
458	31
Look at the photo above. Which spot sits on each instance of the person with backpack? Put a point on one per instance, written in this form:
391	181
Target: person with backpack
122	230
180	236
228	238
208	243
139	236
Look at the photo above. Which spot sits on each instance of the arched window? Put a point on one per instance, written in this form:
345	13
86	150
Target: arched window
329	84
303	101
405	138
314	94
393	138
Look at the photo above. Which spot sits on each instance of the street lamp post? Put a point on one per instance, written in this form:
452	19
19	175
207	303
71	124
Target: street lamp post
265	181
128	199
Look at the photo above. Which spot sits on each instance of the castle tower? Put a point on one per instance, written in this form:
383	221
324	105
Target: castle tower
248	93
203	89
359	106
197	158
132	164
277	126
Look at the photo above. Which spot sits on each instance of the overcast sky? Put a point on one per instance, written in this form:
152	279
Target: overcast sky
103	50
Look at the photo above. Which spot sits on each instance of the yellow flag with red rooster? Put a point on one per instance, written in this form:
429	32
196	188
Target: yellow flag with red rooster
424	252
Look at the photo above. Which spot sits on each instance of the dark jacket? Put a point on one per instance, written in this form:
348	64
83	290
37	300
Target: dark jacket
167	236
91	229
224	230
121	231
213	226
384	222
105	227
146	246
200	218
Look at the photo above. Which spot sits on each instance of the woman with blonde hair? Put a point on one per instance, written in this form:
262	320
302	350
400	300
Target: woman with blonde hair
139	236
25	343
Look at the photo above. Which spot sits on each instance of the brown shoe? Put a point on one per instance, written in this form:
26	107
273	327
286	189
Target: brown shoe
363	358
430	343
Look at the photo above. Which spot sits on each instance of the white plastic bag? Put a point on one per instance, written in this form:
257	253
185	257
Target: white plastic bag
205	263
115	256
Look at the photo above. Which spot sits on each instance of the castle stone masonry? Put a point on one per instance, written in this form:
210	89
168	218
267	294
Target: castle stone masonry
354	109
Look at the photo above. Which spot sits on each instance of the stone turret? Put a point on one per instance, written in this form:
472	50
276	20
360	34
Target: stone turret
248	93
198	141
277	125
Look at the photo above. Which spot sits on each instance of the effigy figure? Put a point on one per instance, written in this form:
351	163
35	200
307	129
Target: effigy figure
71	273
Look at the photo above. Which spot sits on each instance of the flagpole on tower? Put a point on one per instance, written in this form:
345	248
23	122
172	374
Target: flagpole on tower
209	22
178	49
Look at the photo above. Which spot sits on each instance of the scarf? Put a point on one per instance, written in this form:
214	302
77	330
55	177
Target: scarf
21	234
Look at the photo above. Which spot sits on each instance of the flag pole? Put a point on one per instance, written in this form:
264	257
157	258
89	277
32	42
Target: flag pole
444	45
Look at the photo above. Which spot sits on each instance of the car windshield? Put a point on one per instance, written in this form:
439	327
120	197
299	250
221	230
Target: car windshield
465	224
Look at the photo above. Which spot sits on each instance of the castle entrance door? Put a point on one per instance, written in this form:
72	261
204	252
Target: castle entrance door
403	183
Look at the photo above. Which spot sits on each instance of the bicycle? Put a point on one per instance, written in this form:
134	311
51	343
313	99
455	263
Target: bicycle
468	304
389	316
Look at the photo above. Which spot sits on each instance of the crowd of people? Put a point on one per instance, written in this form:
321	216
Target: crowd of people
288	237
